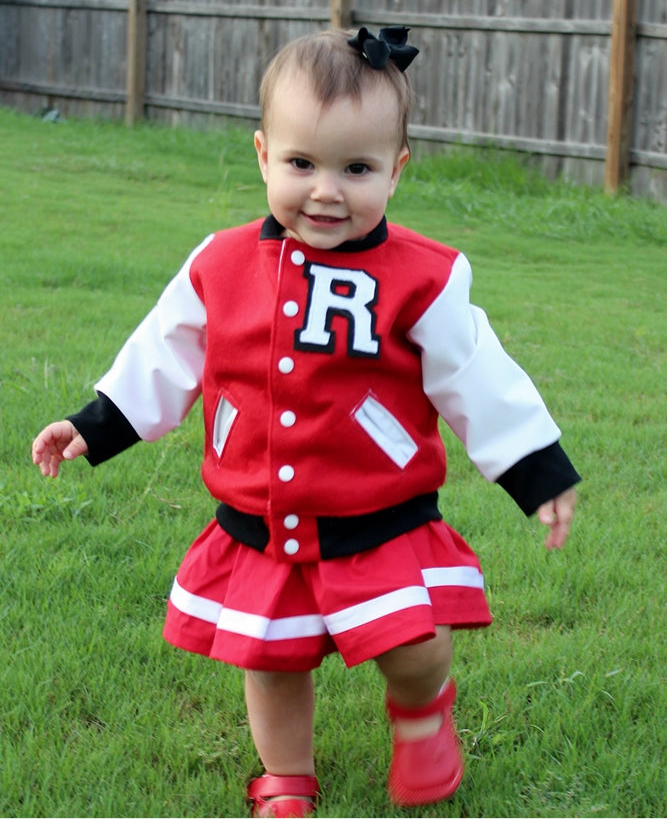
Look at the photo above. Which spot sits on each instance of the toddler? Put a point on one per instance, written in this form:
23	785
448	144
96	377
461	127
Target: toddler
327	343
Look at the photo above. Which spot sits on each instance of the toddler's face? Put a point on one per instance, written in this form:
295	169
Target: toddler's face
329	171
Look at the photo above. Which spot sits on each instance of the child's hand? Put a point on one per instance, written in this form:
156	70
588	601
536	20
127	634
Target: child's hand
55	443
557	515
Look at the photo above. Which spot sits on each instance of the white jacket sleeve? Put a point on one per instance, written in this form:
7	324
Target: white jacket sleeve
481	392
156	377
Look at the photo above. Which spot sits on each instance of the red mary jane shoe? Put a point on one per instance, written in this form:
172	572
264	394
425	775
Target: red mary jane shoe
431	768
301	793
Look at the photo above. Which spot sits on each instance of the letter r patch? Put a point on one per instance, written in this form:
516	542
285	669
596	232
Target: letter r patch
350	294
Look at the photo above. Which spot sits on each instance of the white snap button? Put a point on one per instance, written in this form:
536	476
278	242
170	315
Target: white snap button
286	365
290	309
291	546
286	473
297	257
288	418
291	521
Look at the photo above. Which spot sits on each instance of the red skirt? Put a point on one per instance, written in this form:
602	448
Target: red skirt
234	604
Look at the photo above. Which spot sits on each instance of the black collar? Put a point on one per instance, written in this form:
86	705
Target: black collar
272	229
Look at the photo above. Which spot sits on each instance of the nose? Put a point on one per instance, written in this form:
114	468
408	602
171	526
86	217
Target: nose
326	187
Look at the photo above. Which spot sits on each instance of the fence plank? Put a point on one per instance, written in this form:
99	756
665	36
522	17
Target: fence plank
341	13
136	61
621	76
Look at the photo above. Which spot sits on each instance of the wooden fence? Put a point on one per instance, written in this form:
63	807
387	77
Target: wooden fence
581	84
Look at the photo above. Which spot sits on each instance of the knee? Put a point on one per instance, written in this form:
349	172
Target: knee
427	661
272	681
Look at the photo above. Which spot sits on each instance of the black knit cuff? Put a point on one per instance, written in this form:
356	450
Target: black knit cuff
539	477
104	428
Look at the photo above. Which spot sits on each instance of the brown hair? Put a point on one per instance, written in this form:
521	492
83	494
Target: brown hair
336	70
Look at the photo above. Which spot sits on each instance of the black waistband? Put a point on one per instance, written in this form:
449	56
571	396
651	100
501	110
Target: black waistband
339	536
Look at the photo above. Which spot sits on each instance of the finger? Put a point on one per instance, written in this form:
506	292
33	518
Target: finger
49	464
557	514
52	468
75	448
560	529
38	447
546	513
46	440
557	536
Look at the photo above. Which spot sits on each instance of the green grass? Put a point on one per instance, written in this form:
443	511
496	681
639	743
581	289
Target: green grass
562	701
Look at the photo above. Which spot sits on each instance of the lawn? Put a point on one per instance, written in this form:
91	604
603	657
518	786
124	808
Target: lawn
562	702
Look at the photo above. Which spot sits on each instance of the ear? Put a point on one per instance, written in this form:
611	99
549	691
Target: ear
262	152
401	162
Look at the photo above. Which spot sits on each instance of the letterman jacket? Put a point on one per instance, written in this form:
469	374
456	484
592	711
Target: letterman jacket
323	375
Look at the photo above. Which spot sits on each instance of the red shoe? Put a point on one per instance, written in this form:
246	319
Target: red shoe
301	790
431	768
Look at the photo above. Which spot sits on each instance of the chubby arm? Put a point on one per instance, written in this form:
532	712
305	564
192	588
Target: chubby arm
149	389
157	374
492	405
481	392
56	443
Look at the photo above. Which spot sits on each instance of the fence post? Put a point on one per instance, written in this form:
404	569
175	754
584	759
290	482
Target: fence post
341	13
136	61
621	80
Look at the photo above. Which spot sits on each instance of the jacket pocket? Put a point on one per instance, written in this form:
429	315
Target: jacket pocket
225	415
387	432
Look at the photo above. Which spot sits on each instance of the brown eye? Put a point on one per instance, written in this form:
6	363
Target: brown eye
357	169
301	164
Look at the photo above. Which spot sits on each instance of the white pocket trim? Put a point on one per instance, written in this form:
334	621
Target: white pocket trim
387	432
225	415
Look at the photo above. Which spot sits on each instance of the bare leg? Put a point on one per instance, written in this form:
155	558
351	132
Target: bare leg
427	762
415	674
280	711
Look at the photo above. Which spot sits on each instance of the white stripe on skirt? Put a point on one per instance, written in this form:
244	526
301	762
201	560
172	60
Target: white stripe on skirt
363	613
467	576
312	625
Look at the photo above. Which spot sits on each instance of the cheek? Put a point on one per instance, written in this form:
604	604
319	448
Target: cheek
273	188
286	190
282	198
373	200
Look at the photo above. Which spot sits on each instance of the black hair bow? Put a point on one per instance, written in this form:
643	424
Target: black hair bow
391	44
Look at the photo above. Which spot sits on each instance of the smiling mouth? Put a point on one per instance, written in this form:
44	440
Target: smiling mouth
319	219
